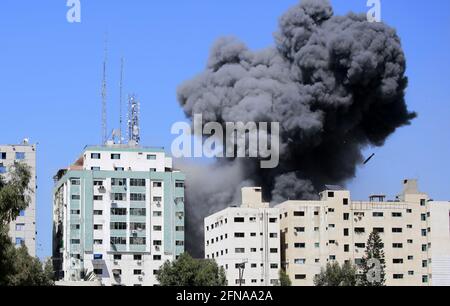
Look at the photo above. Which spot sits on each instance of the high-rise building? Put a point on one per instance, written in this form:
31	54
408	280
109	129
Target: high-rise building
23	229
245	241
336	228
439	238
118	215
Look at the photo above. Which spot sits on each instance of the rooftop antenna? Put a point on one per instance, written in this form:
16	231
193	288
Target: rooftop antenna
120	100
104	119
133	121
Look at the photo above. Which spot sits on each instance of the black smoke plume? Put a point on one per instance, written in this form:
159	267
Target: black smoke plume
336	84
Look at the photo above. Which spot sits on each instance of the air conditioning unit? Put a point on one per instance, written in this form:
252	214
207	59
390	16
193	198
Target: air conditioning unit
157	247
134	232
140	278
116	262
139	263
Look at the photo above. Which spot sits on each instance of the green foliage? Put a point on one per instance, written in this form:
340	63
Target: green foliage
187	271
17	267
370	273
284	279
335	275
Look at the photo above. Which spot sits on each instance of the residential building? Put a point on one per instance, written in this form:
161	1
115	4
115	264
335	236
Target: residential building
118	215
22	230
245	241
439	237
336	228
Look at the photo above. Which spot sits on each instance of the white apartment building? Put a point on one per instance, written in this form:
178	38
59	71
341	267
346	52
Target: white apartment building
439	237
118	215
415	233
245	241
23	230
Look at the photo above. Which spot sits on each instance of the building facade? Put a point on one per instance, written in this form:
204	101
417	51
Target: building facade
439	237
22	230
336	228
245	241
118	214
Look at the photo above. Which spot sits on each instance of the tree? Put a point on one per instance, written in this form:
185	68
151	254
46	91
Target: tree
17	267
335	275
284	279
373	264
187	271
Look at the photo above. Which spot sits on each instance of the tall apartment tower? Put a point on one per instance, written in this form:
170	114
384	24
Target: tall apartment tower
23	230
118	215
245	241
335	228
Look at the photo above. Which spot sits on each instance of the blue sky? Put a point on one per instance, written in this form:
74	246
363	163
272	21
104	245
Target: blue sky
50	77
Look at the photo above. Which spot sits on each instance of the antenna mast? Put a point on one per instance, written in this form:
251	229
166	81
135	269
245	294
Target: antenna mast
104	114
133	121
120	100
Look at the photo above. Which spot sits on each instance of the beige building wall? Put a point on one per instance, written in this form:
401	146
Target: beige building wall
336	228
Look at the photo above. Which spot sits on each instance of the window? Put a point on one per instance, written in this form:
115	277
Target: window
423	202
74	226
359	230
119	169
98	198
118	225
157	257
179	184
360	245
98	183
274	266
20	155
137	257
397	230
317	245
397	261
397	245
20	241
136	226
118	240
119	196
377	214
137	240
239	235
75	197
398	276
274	250
75	212
2	169
424	232
157	184
409	211
300	276
139	197
424	263
98	227
137	182
272	220
98	242
273	235
22	213
157	199
157	214
179	228
299	245
137	211
331	210
95	156
75	241
345	201
2	155
378	230
239	250
137	272
396	214
152	170
75	182
346	232
157	228
179	243
300	261
95	168
98	272
20	226
118	182
98	212
346	216
424	279
423	217
117	257
299	213
299	229
118	211
346	248
151	157
115	156
239	220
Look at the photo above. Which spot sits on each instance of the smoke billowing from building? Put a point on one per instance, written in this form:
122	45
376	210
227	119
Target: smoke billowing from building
336	84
